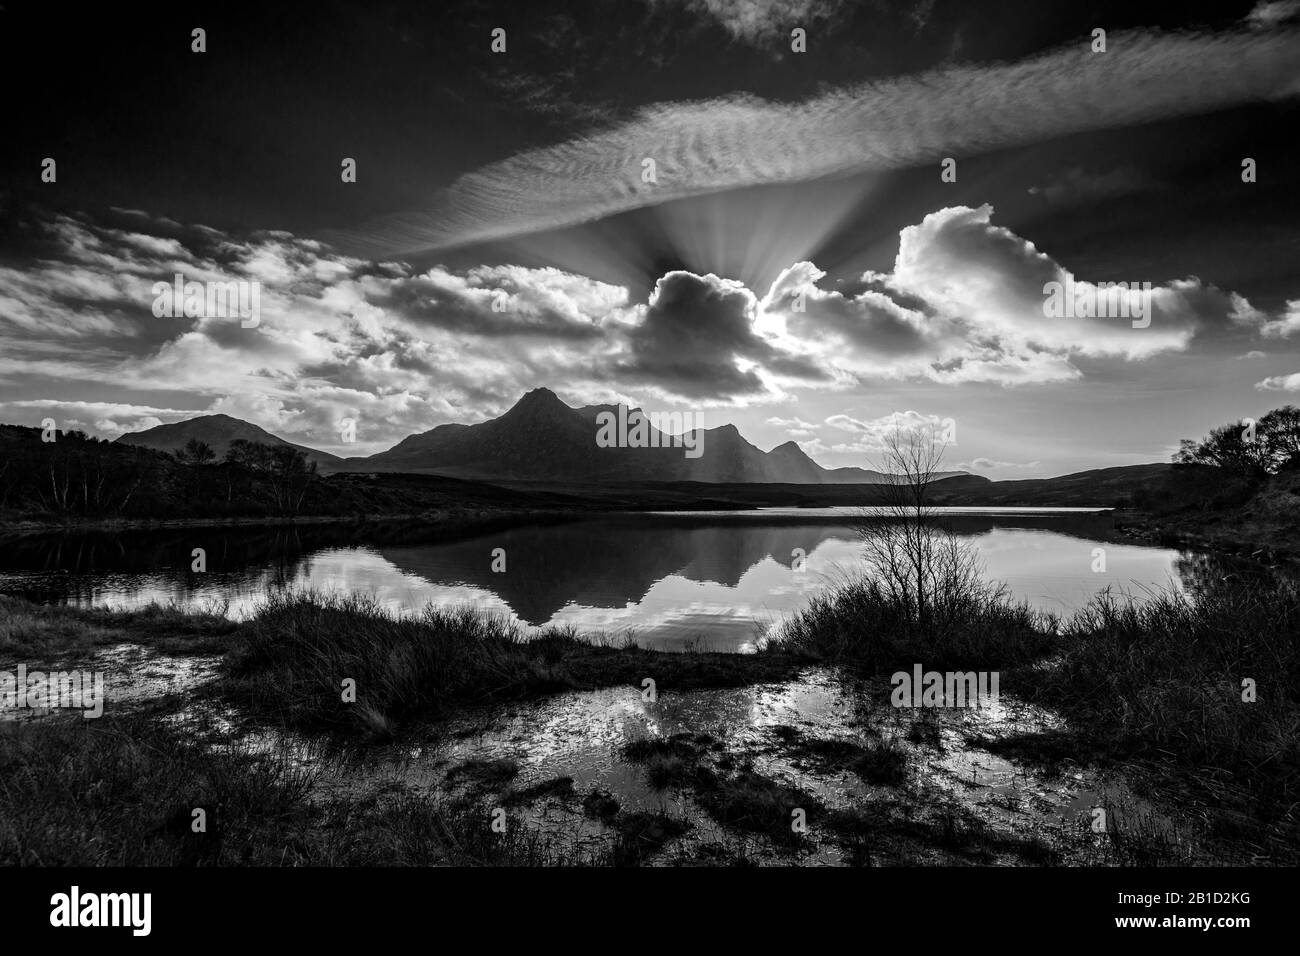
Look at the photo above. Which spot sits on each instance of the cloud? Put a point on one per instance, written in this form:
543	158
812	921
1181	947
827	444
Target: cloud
872	436
1285	325
402	350
871	319
965	302
992	464
761	22
339	337
741	141
794	427
1077	185
697	338
106	419
399	350
1269	13
504	301
1280	383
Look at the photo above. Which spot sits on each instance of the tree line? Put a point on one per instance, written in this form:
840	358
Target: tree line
281	473
1252	449
79	475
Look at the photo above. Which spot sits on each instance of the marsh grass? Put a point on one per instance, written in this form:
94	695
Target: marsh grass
289	661
121	791
44	633
863	627
1165	676
1158	681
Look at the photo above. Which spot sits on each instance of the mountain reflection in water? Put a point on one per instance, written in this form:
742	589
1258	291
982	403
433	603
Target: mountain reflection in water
713	581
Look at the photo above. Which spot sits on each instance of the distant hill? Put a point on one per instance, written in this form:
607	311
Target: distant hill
218	431
1101	487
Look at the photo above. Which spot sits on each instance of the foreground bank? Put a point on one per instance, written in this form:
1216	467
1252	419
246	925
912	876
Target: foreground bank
326	731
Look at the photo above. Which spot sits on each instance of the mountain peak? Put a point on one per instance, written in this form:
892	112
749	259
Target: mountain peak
538	395
540	405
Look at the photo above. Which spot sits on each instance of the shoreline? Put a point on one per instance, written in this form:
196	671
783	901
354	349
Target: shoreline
434	516
440	516
1270	546
468	695
1266	544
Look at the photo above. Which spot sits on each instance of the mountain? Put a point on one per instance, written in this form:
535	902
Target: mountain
543	439
791	460
219	431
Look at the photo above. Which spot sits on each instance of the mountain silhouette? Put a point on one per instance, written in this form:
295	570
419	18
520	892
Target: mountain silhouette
542	439
218	431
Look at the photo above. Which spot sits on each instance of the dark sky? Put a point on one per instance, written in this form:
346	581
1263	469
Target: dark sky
249	135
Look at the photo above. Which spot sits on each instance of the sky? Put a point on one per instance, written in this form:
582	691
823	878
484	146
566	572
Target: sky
658	202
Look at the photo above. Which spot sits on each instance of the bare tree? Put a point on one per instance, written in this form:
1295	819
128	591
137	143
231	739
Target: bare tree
916	563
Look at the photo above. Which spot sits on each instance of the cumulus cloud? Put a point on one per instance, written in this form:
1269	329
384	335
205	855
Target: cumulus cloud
794	427
742	141
1280	383
870	319
965	303
872	436
697	338
1285	325
504	301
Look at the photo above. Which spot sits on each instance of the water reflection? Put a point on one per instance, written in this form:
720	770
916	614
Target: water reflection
713	580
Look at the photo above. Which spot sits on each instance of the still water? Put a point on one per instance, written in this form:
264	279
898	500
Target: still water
713	580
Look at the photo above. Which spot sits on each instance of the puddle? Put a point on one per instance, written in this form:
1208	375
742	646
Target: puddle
950	800
133	676
727	768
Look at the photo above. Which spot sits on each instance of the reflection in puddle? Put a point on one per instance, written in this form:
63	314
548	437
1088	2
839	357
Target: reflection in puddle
723	768
132	675
550	761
